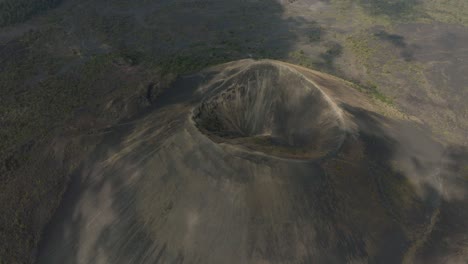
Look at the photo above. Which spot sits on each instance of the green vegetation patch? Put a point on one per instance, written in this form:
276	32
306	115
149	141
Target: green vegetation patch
447	11
325	61
16	11
368	13
392	8
372	90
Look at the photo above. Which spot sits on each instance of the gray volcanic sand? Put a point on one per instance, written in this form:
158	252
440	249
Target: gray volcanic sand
253	162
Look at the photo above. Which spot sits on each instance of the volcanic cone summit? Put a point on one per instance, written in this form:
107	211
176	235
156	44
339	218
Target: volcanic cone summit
273	109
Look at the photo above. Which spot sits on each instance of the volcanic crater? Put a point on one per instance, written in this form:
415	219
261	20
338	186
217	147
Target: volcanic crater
272	109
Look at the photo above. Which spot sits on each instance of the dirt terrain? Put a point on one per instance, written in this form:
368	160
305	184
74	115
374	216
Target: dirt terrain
78	77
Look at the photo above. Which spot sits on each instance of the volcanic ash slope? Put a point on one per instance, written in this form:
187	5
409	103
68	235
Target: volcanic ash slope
254	162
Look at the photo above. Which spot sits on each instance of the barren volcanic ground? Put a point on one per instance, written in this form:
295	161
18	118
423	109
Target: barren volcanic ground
263	162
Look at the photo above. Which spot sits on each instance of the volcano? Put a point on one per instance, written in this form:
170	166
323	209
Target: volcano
254	162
